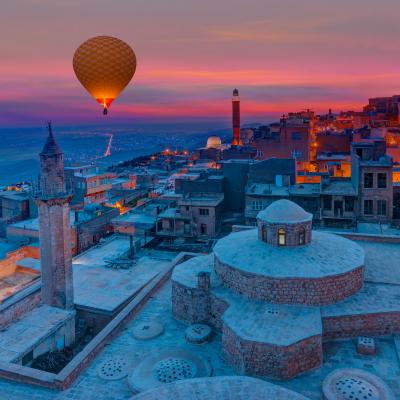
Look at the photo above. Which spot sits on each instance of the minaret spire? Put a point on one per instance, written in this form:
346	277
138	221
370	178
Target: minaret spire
236	118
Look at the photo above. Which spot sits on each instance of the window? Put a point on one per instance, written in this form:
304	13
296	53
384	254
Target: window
348	204
187	208
302	236
281	237
368	207
368	180
327	202
382	180
381	206
296	136
256	205
203	211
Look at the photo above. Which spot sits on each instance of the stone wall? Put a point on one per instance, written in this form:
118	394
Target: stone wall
190	305
19	305
305	291
218	307
378	324
263	359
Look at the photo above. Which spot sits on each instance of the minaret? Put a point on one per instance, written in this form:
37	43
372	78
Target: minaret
236	118
54	228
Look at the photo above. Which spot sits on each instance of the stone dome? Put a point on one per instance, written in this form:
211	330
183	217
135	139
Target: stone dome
284	223
214	142
284	211
220	387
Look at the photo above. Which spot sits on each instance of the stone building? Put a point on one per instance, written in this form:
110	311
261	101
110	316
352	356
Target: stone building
276	292
89	188
372	178
196	215
261	195
291	138
339	204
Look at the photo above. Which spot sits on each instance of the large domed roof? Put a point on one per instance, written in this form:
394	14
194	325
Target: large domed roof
284	211
214	142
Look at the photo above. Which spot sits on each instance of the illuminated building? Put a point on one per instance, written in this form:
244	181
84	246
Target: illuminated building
291	138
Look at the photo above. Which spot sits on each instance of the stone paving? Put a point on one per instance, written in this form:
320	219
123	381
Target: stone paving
89	386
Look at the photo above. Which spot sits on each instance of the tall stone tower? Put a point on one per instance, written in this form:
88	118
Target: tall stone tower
54	228
236	118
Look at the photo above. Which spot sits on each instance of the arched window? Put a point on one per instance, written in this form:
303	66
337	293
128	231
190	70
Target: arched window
302	236
281	237
264	233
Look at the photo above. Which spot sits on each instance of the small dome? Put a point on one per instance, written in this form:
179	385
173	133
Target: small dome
214	142
284	211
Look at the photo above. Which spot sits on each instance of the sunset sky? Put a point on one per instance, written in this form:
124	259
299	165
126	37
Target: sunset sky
283	55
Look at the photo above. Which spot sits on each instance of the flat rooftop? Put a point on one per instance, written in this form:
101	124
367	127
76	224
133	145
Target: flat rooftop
340	188
26	333
33	223
304	189
206	199
136	218
99	254
106	289
12	195
382	262
286	324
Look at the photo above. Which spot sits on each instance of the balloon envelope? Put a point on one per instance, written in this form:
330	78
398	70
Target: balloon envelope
104	65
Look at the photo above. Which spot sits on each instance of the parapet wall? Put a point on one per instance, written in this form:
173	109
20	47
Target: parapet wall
20	304
377	324
304	291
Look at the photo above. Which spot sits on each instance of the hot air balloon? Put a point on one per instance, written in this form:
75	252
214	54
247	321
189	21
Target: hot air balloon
104	65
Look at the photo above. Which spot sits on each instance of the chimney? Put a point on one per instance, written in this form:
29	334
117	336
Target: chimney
204	281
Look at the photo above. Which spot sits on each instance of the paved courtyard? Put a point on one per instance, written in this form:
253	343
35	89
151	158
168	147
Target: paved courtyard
89	386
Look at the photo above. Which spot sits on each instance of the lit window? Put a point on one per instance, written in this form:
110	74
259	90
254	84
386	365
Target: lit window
302	236
281	237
